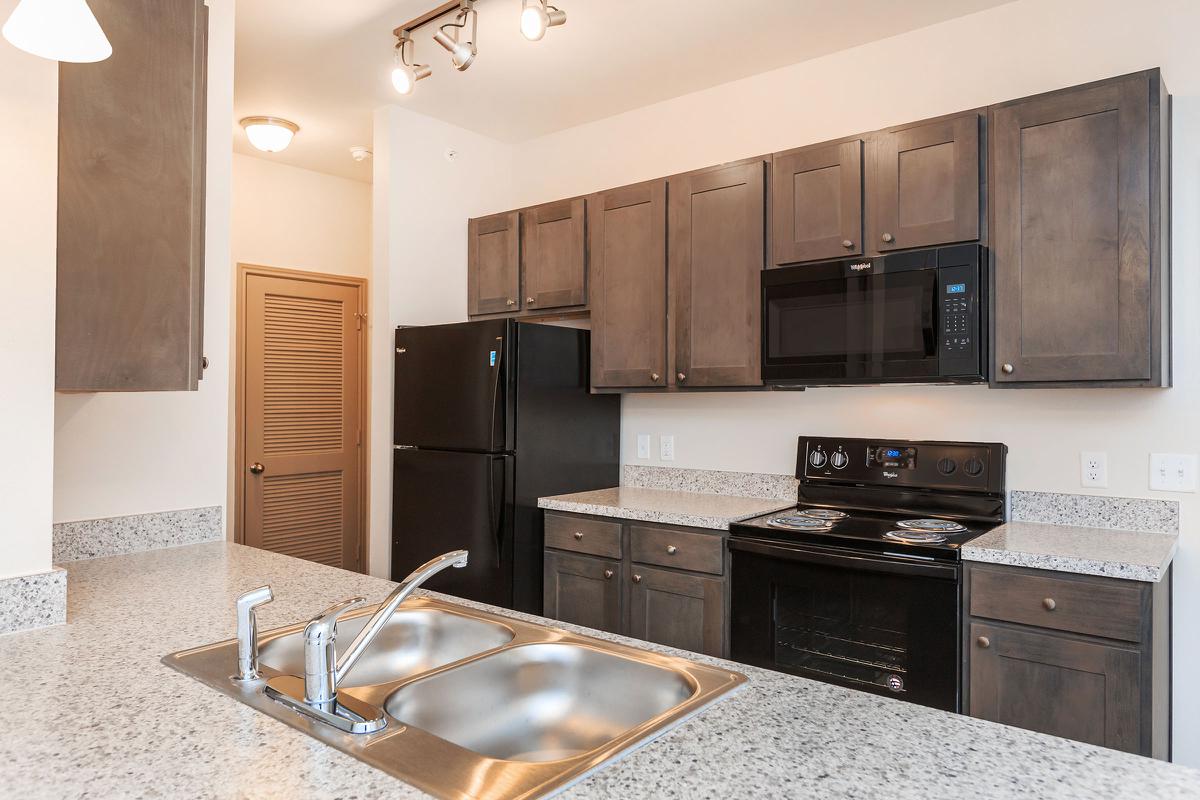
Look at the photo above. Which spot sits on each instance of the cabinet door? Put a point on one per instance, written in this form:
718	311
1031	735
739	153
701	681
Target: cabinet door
582	590
493	264
131	150
816	202
627	250
1074	218
1055	684
677	609
716	253
923	185
553	255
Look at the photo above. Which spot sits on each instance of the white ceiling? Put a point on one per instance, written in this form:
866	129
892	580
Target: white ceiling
325	65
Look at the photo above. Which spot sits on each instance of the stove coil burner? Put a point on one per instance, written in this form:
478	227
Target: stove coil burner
915	537
931	525
800	523
829	514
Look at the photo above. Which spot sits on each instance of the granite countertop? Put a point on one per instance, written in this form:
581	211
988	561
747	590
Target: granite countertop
694	509
1132	555
100	716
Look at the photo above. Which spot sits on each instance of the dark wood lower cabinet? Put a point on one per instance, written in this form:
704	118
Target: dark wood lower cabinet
684	608
583	590
1078	656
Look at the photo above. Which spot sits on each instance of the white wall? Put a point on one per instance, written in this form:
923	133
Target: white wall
1010	51
118	454
421	204
284	216
28	198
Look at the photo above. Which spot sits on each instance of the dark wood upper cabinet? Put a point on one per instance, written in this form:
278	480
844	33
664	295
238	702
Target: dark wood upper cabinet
1079	235
131	141
717	223
816	202
627	248
923	184
554	255
494	264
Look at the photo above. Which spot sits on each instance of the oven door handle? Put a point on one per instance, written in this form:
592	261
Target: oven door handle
866	562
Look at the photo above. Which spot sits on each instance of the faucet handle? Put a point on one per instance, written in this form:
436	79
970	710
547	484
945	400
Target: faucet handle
323	627
247	631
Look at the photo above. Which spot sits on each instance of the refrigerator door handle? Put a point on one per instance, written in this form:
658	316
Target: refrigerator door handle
499	371
498	525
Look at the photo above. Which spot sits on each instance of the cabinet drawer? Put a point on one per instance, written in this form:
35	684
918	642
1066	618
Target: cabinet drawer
1101	607
581	535
700	552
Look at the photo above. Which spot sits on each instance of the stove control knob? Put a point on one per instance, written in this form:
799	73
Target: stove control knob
973	467
946	466
817	458
839	459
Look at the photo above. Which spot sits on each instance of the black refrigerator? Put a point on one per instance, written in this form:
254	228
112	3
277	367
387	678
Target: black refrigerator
489	416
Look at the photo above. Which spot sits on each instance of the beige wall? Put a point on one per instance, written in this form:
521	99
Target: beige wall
28	196
1010	51
118	454
299	219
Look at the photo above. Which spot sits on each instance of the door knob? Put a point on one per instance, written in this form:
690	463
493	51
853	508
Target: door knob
608	574
637	578
510	302
887	237
984	642
682	376
257	468
1007	369
528	299
654	377
847	243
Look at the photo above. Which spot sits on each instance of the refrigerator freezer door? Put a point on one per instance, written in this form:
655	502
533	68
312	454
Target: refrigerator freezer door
452	387
444	501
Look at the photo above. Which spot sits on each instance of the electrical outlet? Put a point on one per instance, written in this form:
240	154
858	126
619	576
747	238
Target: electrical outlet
643	440
666	448
1172	472
1093	469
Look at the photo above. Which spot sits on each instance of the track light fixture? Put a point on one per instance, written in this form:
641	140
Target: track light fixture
406	74
537	16
462	54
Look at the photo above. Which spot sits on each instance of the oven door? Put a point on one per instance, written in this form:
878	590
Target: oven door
879	623
821	326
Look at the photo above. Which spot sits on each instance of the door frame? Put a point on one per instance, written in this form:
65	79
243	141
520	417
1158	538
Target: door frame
244	272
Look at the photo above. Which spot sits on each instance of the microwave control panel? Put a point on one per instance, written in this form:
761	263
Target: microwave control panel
960	307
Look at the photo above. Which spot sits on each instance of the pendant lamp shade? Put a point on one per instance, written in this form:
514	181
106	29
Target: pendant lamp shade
60	30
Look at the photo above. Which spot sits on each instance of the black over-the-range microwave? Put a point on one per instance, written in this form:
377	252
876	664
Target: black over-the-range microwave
912	317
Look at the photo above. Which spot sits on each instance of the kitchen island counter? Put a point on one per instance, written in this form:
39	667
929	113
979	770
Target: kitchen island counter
100	716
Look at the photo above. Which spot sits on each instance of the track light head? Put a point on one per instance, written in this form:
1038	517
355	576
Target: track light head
462	54
537	16
404	74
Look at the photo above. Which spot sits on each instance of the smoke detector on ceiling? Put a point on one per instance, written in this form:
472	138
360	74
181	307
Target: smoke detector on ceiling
360	153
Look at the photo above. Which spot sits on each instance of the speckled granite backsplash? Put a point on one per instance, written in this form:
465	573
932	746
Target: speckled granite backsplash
1091	511
114	536
709	481
33	601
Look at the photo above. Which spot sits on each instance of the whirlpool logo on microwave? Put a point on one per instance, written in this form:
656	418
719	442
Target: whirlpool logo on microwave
864	265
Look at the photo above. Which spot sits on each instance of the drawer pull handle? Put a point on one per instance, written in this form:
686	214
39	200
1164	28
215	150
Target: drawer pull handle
672	549
607	574
578	535
637	578
1049	603
984	642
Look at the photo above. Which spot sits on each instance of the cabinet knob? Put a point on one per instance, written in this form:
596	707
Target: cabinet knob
510	302
637	578
682	376
1049	604
672	549
984	642
846	243
607	574
256	468
578	535
887	237
654	377
529	300
1007	369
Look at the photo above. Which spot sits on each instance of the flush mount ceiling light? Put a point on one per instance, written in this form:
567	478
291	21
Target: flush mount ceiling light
537	16
462	54
405	74
60	30
269	134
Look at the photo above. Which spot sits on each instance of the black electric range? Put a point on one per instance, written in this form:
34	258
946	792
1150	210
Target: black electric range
859	585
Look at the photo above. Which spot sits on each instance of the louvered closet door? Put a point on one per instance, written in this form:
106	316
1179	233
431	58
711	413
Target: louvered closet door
302	419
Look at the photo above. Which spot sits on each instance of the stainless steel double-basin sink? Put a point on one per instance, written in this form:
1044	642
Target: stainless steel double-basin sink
479	705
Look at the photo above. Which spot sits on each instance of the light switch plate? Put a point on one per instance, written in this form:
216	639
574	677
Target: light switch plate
643	440
666	448
1173	472
1093	469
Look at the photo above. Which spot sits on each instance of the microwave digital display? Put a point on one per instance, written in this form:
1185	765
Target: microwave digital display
956	288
